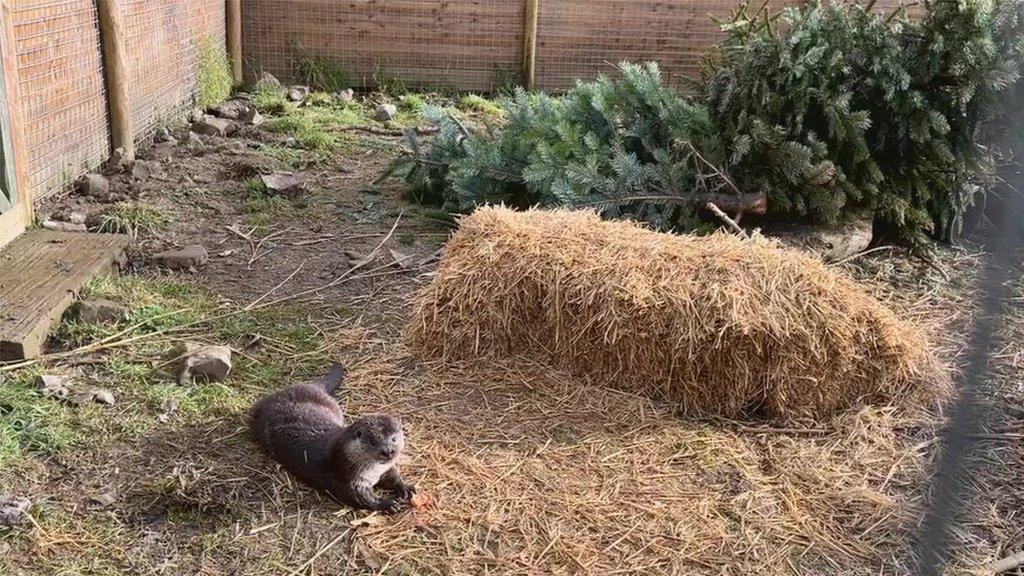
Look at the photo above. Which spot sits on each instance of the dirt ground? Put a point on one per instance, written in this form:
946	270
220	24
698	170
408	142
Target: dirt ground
530	471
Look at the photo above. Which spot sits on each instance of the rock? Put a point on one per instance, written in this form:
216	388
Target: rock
194	141
403	261
236	109
13	510
145	169
94	186
346	95
243	96
256	119
298	93
212	362
196	114
213	126
287	184
63	226
291	142
233	147
385	112
225	253
118	162
188	258
831	243
103	397
52	385
267	82
163	135
100	311
102	500
94	219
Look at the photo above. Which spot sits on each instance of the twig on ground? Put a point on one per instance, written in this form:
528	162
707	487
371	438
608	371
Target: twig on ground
725	218
378	131
861	253
1006	564
274	289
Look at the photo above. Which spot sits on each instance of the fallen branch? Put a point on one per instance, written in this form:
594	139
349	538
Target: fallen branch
1006	564
725	218
754	202
378	131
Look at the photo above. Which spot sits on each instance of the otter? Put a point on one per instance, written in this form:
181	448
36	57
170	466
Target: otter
303	428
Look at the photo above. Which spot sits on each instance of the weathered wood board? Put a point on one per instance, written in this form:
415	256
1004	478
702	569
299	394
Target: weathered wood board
41	273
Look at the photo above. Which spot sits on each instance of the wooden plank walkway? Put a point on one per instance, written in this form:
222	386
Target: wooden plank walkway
41	273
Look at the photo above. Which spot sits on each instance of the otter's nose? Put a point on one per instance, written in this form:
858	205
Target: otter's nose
387	453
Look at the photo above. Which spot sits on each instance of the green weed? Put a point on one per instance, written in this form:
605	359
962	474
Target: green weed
476	103
213	79
133	218
320	74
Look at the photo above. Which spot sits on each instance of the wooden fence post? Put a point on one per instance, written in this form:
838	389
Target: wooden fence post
530	43
115	72
234	34
13	221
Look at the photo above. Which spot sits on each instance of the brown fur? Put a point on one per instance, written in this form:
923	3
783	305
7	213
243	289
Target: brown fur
303	428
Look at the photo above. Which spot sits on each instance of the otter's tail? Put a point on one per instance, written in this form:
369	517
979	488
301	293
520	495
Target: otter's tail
334	378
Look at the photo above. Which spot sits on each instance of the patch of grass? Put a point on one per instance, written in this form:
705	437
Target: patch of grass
320	74
387	81
319	99
476	103
271	101
309	133
213	79
30	424
133	218
504	80
411	103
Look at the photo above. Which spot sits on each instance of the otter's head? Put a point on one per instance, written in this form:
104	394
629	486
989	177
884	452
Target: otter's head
375	439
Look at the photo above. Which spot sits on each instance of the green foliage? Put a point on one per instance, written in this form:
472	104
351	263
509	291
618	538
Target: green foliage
837	109
271	100
626	146
320	74
133	218
388	82
833	111
213	79
311	134
477	103
411	103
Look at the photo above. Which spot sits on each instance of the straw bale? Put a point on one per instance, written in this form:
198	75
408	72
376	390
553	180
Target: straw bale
716	325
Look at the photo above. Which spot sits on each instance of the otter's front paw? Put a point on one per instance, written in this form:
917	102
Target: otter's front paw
405	492
390	506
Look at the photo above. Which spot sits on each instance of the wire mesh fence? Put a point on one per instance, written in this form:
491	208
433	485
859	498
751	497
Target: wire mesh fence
164	42
469	45
61	82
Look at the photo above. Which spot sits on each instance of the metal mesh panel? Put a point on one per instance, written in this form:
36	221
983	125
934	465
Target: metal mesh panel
470	45
63	98
163	41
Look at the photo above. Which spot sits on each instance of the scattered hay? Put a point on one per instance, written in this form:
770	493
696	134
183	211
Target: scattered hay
716	325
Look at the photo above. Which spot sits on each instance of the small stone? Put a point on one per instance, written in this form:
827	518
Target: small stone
256	119
196	114
385	112
243	96
403	261
94	186
102	500
188	258
163	135
298	93
145	169
291	142
63	226
346	95
287	184
213	126
103	397
13	510
225	253
52	385
100	311
236	109
75	217
117	162
212	362
195	141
